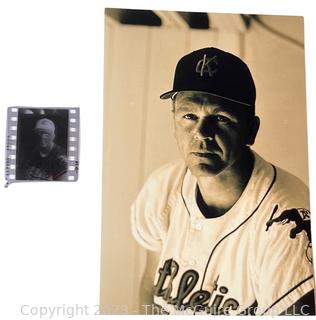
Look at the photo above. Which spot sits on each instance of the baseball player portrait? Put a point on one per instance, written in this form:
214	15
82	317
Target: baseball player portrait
226	231
42	144
205	201
48	161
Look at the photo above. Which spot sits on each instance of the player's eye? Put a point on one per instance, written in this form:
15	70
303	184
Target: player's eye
190	116
223	119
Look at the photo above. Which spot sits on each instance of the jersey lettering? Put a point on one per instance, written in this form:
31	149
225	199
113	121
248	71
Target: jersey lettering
187	284
170	268
200	300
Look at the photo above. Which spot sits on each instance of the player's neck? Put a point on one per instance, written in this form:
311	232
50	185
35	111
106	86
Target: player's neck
218	194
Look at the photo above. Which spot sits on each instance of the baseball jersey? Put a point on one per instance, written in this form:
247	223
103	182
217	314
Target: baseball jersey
50	167
254	259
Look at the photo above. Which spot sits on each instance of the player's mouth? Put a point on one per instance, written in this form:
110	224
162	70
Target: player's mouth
203	154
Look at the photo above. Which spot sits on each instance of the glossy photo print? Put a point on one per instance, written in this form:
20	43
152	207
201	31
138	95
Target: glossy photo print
206	206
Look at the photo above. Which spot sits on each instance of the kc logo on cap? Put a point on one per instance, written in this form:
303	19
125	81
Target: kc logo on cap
207	65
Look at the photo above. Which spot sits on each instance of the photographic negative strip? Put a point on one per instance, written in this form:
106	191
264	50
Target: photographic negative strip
42	144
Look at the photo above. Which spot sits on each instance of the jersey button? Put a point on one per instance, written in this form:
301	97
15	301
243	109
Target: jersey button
198	226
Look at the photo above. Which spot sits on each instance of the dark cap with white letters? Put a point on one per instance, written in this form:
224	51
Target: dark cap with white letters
216	72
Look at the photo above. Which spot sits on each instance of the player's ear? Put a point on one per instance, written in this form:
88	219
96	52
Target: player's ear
173	101
173	108
253	130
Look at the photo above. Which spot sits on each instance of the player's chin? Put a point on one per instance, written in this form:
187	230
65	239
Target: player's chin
206	167
43	144
205	170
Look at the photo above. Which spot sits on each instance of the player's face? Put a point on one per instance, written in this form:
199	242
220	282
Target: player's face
44	138
211	134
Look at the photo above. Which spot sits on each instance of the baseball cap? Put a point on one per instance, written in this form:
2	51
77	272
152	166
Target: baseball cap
216	72
45	125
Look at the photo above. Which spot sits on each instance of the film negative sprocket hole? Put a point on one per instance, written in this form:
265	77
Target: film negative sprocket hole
42	144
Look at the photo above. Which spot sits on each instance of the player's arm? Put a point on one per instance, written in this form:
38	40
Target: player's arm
147	282
62	177
60	168
285	277
304	306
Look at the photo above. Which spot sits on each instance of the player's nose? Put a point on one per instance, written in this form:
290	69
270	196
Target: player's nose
205	129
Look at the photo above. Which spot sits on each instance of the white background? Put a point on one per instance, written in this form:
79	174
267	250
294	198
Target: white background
51	55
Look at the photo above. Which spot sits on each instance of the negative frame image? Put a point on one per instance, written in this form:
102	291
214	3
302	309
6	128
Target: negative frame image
44	143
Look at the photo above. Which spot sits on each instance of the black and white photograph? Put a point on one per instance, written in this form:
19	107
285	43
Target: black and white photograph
44	142
205	131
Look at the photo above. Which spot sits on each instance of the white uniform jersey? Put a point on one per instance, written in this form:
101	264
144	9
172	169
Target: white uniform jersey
256	258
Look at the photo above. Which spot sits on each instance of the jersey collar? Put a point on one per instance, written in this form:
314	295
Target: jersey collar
256	188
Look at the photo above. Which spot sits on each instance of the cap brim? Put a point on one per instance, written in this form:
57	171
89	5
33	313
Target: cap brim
167	95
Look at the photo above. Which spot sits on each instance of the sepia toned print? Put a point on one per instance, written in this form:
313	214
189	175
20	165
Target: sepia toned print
215	171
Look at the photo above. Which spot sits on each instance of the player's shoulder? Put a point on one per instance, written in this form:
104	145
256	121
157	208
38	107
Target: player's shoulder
162	184
168	176
283	192
58	150
150	212
283	186
282	216
290	189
